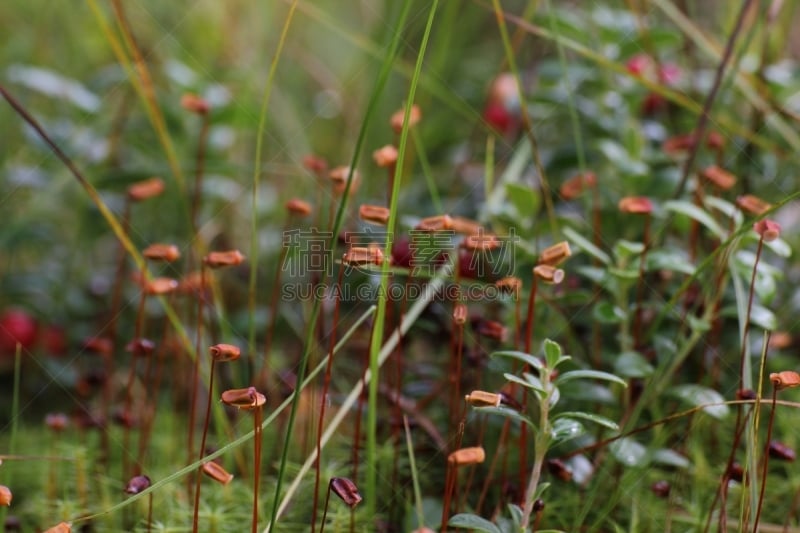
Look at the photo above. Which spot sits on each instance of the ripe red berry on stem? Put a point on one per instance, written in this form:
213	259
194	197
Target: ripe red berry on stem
16	326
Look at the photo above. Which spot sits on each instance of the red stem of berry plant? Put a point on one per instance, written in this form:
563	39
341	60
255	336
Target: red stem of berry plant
323	401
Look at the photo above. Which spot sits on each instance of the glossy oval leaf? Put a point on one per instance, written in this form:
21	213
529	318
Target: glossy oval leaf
589	374
508	413
584	244
725	207
779	247
516	513
624	249
565	429
759	315
632	365
528	385
523	198
534	381
626	274
552	352
582	468
629	452
696	213
473	522
594	274
672	260
668	457
697	396
591	417
555	395
523	357
607	313
540	490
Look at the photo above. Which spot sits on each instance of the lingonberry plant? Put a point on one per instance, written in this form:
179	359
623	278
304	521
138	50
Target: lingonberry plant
381	211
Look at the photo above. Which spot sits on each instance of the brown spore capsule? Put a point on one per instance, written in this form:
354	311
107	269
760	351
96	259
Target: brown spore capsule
346	490
224	259
248	398
224	352
146	189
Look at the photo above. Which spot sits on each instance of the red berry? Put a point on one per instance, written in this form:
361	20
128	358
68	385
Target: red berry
470	265
54	340
669	73
498	117
401	252
16	326
652	104
638	64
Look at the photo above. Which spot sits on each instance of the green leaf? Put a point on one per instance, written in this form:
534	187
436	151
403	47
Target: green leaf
698	324
697	395
589	374
779	247
562	359
629	452
565	429
555	395
632	365
624	250
508	413
763	318
552	352
527	384
621	159
590	392
696	213
726	208
629	274
516	513
607	313
591	417
525	358
524	199
759	315
673	260
585	245
535	381
473	522
745	260
595	274
668	457
540	489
